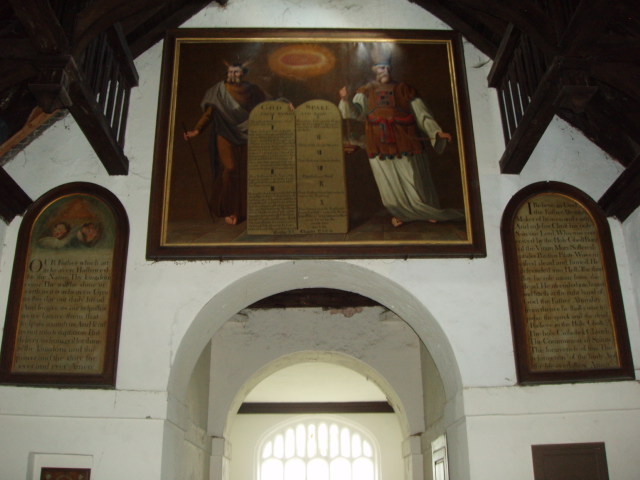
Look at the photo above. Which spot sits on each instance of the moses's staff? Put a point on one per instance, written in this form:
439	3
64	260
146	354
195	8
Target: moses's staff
195	161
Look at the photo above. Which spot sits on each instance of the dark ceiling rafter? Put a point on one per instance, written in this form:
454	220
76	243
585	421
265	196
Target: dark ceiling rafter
102	14
153	29
61	83
614	49
525	15
33	14
467	23
592	48
621	199
13	200
17	49
619	75
603	120
589	23
589	82
15	72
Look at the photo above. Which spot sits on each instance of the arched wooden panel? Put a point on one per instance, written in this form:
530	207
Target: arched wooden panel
567	313
63	315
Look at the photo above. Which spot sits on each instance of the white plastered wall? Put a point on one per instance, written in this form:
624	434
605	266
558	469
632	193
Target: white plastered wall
458	307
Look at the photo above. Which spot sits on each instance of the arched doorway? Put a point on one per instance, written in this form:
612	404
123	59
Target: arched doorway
315	420
440	382
368	341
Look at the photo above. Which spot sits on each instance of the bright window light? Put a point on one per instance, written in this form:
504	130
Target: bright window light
315	449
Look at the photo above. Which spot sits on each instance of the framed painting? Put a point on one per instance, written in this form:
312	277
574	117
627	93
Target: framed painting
63	316
313	144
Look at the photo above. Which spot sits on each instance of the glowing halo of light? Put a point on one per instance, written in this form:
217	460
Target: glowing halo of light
301	61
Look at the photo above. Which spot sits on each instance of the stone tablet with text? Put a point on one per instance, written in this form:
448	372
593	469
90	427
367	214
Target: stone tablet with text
297	179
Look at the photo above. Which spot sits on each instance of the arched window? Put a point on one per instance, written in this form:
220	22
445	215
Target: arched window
317	449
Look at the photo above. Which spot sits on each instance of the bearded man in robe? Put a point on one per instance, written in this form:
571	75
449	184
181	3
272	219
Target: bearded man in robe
226	106
396	121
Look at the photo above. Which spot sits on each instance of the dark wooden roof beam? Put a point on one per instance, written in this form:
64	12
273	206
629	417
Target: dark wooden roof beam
504	56
624	77
39	20
575	97
37	121
101	14
525	15
51	88
62	86
623	196
122	54
88	114
142	39
534	122
615	49
577	88
314	407
589	22
13	72
13	200
60	83
609	128
444	11
17	49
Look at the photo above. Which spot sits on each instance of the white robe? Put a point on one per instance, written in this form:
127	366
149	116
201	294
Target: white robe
405	183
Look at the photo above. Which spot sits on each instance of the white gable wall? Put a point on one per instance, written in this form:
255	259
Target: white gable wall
458	307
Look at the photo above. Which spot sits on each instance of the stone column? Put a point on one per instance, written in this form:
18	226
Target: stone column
413	459
220	458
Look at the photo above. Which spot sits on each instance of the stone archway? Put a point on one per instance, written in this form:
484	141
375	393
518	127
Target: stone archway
242	433
333	357
312	274
307	274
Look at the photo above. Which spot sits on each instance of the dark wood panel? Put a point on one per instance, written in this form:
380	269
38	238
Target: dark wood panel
314	297
584	461
66	290
316	407
39	20
530	295
623	196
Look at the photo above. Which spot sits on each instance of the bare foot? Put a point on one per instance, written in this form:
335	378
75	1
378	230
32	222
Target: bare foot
432	220
396	222
231	219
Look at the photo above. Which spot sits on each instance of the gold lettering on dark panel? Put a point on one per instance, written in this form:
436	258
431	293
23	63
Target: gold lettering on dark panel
322	197
64	313
297	179
271	197
569	323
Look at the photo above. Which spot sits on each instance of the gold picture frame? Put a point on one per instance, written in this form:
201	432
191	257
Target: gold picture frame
296	67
